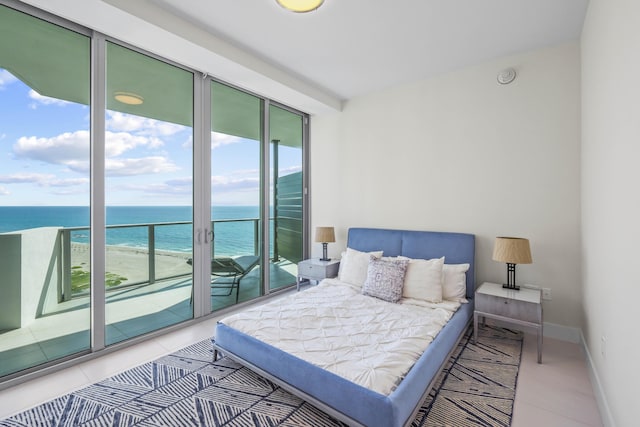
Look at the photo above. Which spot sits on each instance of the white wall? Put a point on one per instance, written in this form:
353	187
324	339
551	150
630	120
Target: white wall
29	262
462	153
611	201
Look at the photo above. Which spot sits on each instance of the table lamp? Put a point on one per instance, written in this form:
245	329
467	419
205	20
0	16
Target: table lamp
325	235
512	250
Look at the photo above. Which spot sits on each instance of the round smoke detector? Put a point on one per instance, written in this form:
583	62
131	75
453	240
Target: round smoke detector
506	76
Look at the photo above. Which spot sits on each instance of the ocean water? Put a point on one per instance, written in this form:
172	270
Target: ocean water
234	226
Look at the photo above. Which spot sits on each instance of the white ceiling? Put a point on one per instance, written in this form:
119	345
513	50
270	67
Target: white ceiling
351	47
347	48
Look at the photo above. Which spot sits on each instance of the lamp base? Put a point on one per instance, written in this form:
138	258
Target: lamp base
324	253
511	278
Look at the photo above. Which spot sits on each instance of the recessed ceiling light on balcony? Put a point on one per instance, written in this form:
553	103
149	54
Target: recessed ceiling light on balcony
128	98
300	6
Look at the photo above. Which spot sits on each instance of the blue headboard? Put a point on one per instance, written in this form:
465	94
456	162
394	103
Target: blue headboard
457	248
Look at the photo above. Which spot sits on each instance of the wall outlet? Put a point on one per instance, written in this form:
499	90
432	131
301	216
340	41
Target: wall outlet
603	347
546	294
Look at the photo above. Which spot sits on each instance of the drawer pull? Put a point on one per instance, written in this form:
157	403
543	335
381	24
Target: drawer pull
506	302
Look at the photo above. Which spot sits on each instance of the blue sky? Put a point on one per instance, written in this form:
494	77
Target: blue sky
44	156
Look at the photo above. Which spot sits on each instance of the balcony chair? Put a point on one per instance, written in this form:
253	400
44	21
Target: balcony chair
226	272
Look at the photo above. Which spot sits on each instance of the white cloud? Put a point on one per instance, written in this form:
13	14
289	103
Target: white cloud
225	183
141	166
61	149
120	142
4	191
72	150
219	185
69	182
26	178
159	188
45	100
6	78
175	186
128	167
188	144
42	180
80	166
117	122
220	139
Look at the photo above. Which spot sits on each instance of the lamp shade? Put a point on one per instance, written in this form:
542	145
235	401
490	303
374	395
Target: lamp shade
325	235
300	5
512	250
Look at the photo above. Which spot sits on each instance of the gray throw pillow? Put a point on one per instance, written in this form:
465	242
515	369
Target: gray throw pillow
385	278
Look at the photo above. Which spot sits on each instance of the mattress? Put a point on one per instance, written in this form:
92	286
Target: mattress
365	340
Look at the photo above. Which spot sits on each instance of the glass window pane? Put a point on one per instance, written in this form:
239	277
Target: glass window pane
149	194
236	122
286	195
44	191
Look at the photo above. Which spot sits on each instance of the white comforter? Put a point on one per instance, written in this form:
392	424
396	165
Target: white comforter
363	339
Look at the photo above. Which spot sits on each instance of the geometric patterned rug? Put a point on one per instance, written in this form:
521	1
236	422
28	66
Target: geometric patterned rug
476	388
478	385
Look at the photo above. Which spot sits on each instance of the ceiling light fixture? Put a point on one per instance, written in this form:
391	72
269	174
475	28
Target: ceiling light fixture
128	98
300	6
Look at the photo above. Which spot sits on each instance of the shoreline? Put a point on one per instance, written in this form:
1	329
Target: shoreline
133	263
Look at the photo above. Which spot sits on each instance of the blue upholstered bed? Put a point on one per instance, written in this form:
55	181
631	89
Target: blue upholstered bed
347	401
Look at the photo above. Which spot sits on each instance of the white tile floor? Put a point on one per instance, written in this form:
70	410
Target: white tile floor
34	392
555	393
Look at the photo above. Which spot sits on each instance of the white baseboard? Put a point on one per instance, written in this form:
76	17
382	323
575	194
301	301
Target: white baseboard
598	391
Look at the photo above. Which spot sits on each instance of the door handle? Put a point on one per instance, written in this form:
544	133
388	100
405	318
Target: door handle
208	234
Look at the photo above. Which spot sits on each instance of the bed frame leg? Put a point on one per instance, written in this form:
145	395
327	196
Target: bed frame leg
215	355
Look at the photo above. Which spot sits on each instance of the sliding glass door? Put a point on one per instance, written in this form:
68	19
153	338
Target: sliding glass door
286	195
135	193
149	194
44	192
236	153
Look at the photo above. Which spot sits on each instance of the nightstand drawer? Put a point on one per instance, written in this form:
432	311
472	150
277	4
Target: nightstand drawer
317	270
311	271
507	307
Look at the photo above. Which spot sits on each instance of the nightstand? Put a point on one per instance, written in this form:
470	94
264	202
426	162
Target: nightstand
523	307
314	269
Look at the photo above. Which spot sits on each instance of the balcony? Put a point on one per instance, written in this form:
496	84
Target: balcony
45	309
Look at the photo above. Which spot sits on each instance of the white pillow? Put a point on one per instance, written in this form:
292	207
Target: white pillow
354	265
423	280
454	285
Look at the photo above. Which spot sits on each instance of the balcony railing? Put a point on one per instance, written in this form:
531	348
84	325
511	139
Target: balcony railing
66	291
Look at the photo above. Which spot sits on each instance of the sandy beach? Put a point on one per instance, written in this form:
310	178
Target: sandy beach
133	263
